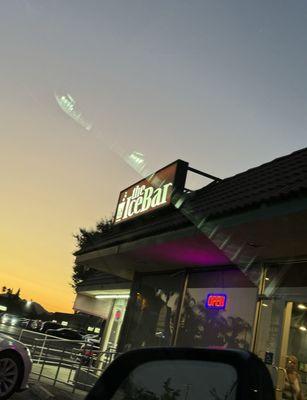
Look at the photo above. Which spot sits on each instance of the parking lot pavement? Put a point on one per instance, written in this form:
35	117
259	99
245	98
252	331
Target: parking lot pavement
26	395
46	392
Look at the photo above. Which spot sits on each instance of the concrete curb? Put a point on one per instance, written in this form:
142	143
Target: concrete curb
39	391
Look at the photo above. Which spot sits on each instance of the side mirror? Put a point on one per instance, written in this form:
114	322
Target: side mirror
184	374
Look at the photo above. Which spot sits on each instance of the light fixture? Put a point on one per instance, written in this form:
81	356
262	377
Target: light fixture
264	305
303	328
302	307
112	296
267	279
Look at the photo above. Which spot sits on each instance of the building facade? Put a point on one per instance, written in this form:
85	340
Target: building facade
104	296
223	266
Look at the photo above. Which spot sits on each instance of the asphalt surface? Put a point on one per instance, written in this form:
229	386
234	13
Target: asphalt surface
26	395
59	394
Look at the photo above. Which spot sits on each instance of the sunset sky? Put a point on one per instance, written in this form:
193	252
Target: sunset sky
218	83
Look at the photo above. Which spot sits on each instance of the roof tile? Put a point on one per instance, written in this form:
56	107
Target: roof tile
274	181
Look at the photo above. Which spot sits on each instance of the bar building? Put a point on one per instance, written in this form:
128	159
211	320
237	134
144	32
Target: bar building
225	265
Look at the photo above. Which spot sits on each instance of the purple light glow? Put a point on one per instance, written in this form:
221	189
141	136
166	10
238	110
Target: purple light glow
191	251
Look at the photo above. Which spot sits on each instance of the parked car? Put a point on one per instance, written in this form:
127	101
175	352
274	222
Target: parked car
65	333
10	319
36	324
87	354
90	337
49	325
15	366
24	323
30	324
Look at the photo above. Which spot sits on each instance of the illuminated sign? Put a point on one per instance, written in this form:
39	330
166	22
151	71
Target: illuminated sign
216	301
151	193
118	315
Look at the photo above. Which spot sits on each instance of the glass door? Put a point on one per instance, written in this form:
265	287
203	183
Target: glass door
293	359
269	338
280	328
282	344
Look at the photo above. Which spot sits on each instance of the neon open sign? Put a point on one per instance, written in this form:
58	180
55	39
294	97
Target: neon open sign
216	301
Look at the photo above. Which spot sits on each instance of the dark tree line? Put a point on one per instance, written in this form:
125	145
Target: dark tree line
85	239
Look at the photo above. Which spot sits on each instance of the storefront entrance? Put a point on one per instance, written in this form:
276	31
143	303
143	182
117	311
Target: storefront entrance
207	307
281	337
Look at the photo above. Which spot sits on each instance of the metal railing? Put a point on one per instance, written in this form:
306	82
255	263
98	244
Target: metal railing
70	364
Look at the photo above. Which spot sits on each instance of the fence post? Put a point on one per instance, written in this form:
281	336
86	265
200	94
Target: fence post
77	373
42	349
43	365
20	335
59	366
33	349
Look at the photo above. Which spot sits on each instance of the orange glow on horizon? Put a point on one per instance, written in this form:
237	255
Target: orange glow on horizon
45	199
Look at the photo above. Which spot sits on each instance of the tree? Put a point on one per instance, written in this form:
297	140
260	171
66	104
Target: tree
133	391
80	274
169	393
86	238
